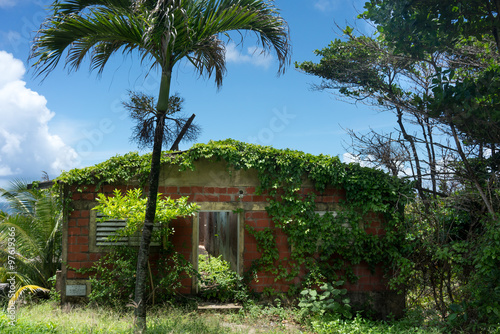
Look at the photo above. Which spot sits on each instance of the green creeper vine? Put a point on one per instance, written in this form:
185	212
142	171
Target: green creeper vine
326	245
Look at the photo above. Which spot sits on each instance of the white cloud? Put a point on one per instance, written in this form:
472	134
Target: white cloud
7	3
26	145
254	55
351	158
325	5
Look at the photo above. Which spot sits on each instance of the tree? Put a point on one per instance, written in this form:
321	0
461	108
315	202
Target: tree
418	28
447	125
35	220
163	32
369	70
142	110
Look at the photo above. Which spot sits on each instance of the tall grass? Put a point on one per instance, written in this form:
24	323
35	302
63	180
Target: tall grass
48	318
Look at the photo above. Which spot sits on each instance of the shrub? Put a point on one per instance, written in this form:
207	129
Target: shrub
330	301
219	282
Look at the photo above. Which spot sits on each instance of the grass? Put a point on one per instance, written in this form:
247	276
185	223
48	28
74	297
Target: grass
47	317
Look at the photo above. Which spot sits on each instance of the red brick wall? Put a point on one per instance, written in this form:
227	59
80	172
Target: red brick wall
79	255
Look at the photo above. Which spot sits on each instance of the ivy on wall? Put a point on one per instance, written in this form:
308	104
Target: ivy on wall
326	245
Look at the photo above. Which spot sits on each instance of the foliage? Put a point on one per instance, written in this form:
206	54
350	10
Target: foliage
30	236
22	291
435	65
131	207
281	174
464	93
484	286
330	301
143	111
219	282
163	33
113	282
51	318
425	147
358	325
114	279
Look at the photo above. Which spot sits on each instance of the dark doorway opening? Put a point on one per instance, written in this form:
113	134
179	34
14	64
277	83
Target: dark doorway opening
218	236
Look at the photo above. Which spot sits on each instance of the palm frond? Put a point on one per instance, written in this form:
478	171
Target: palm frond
258	16
21	291
20	199
37	230
97	34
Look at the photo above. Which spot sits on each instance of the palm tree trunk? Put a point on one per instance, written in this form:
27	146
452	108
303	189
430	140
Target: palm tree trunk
154	177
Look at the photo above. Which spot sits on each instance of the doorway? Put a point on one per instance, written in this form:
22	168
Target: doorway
219	235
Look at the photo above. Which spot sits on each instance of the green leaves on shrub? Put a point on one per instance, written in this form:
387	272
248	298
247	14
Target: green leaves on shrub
218	281
330	301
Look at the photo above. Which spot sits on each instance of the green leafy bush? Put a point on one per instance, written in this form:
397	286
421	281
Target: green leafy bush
113	277
219	282
330	301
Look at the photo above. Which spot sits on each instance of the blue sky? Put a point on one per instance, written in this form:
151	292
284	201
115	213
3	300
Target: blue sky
76	119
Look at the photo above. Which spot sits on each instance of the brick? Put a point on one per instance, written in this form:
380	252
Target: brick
233	190
73	248
220	190
75	214
330	191
212	198
185	190
108	188
78	257
84	248
250	190
84	231
258	198
281	239
175	196
247	198
94	256
327	199
72	240
250	247
72	222
259	214
283	249
74	231
83	222
200	198
284	254
225	198
361	270
74	265
82	240
250	256
171	190
209	190
372	231
76	196
88	196
364	280
86	264
262	223
197	190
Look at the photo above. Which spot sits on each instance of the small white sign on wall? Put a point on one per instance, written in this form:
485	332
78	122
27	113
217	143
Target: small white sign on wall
76	290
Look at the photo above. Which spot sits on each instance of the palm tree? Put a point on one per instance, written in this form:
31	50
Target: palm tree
162	32
31	234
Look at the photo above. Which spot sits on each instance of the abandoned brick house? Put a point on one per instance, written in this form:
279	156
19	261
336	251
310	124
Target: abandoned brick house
229	199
